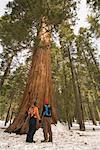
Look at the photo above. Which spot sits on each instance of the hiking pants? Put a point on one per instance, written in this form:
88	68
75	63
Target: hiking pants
32	129
47	128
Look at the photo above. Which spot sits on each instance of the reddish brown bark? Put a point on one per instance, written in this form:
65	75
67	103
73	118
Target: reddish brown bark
39	84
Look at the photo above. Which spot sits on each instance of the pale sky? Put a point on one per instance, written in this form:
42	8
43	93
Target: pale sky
82	15
2	6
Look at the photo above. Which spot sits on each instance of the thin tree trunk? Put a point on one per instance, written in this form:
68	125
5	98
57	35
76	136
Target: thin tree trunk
91	77
68	117
94	87
91	113
97	113
11	117
79	110
39	84
9	109
94	60
96	110
7	117
6	71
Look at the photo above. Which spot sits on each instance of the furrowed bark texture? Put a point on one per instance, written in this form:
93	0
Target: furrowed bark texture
39	84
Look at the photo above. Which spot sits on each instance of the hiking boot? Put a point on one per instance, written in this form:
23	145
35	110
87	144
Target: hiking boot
50	141
30	141
44	141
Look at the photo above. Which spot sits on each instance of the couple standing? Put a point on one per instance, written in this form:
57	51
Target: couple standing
33	114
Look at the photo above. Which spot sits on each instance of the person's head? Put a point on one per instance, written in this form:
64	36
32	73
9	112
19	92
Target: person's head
34	103
46	102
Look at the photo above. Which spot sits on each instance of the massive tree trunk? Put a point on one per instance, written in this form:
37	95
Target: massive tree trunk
39	84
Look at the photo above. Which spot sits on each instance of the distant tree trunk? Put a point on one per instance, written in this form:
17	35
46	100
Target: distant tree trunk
66	102
39	84
7	117
11	117
82	125
92	115
96	110
79	109
97	113
6	71
97	66
9	108
91	76
94	88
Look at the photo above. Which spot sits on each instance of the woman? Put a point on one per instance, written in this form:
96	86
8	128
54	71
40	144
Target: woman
33	113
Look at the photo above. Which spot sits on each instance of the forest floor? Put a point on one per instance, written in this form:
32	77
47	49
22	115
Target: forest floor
63	139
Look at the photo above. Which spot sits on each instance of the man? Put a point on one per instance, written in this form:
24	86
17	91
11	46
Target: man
33	113
46	115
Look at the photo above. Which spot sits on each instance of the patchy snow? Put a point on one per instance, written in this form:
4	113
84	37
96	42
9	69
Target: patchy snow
63	139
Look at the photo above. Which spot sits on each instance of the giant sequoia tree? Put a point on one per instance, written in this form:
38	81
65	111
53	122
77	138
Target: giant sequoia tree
44	16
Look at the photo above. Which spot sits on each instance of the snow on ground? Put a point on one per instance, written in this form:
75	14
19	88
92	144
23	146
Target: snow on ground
63	139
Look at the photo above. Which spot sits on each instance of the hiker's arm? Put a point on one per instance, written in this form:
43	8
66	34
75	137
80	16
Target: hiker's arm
37	113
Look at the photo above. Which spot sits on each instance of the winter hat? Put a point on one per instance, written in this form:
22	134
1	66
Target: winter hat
46	101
